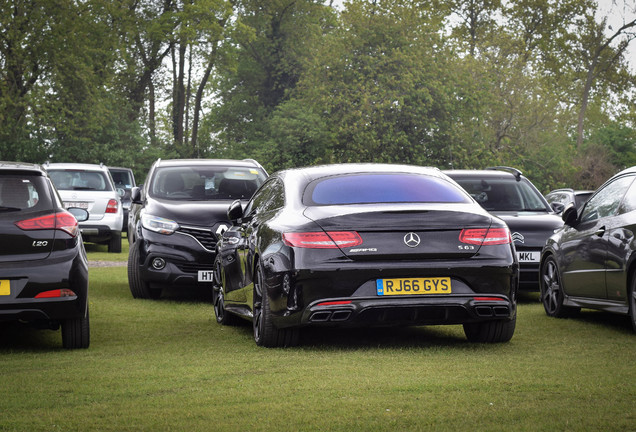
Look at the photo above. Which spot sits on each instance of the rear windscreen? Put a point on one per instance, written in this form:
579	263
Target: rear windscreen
77	179
23	192
382	188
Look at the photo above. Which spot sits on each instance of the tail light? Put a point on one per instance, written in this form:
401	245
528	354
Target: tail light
485	236
112	206
323	240
63	221
56	293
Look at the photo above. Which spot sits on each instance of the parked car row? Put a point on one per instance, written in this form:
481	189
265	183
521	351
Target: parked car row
335	245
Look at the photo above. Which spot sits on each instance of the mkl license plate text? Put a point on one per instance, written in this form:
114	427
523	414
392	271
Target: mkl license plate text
411	286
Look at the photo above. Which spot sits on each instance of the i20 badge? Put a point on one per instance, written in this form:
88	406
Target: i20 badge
411	240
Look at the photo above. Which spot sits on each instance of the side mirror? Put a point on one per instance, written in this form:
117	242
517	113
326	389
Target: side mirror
135	195
235	212
121	192
569	215
80	214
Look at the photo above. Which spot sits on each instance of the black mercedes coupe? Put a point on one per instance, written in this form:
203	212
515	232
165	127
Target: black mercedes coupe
365	245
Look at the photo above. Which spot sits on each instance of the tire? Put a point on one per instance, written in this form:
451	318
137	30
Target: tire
552	295
490	331
138	287
76	332
632	301
265	333
114	244
218	299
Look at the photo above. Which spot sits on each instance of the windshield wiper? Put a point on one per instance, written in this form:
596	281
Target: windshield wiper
8	209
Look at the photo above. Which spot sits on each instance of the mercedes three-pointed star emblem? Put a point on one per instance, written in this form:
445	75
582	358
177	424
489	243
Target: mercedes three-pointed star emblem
412	240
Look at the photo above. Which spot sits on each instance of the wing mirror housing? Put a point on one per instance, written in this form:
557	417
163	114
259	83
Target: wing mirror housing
569	215
80	214
235	212
135	195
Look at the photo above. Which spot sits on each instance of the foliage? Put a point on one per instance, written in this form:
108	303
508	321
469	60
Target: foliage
543	85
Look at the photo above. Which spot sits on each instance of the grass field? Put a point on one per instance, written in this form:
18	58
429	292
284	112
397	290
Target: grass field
166	365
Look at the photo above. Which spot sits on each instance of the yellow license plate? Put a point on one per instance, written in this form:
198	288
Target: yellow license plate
412	286
5	287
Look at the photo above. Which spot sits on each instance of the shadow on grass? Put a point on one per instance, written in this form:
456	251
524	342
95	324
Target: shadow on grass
618	322
15	336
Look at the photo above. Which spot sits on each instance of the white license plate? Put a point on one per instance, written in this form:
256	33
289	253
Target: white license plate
526	256
206	276
82	205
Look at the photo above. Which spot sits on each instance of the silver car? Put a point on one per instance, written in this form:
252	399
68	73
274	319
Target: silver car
91	187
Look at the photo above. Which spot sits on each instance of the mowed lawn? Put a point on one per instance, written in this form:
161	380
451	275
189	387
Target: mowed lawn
167	366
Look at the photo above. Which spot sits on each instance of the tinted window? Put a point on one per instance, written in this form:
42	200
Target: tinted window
205	183
122	179
80	180
382	188
605	202
270	197
504	194
21	192
629	202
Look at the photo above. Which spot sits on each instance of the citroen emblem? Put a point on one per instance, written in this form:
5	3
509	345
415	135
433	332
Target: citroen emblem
518	237
411	240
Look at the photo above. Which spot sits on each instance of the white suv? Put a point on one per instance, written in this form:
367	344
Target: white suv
91	187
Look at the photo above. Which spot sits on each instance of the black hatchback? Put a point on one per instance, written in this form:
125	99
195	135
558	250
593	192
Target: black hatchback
43	265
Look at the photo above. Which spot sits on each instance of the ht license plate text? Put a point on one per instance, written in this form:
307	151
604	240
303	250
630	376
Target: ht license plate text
410	286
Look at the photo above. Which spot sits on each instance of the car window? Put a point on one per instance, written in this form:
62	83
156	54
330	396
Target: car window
80	180
20	192
382	188
606	201
122	179
205	183
629	201
503	194
269	197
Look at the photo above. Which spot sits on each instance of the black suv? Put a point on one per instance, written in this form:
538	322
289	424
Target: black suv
43	265
506	193
176	217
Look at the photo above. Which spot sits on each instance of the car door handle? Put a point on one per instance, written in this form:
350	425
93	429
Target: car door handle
600	232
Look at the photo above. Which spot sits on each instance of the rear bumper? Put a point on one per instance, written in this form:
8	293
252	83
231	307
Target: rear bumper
66	270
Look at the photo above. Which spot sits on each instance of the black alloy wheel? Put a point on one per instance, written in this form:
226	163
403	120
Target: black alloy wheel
265	333
552	295
218	299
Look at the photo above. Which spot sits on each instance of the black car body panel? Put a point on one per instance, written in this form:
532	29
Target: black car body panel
594	252
339	286
43	264
518	203
176	217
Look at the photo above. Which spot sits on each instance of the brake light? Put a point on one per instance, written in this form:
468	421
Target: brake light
323	240
485	236
63	221
56	293
111	207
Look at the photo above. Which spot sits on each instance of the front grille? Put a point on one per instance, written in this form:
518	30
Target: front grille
206	237
193	267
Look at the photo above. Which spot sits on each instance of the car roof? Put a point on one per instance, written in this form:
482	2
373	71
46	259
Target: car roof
485	173
83	166
22	167
313	172
248	163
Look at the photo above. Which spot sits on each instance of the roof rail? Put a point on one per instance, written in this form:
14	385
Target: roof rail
513	171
